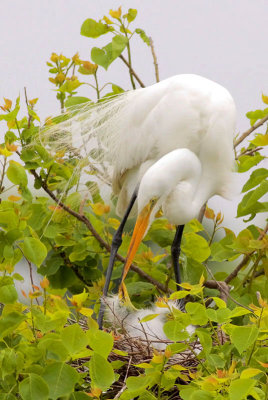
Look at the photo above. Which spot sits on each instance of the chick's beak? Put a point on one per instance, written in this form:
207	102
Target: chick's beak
138	234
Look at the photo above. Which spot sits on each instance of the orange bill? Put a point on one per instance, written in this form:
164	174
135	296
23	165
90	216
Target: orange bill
138	234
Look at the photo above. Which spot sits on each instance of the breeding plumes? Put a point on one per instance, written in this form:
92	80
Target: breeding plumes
169	145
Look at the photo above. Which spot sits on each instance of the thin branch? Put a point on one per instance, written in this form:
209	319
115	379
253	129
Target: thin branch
3	175
132	71
221	286
250	130
246	258
248	152
26	100
155	60
90	227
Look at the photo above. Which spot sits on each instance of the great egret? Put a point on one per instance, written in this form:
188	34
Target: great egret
170	145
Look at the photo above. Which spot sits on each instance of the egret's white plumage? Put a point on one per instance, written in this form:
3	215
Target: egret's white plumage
135	129
174	139
150	332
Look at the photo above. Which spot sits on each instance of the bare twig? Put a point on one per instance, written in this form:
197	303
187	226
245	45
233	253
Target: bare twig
124	383
221	286
90	227
3	175
250	130
132	71
155	60
26	100
248	152
214	284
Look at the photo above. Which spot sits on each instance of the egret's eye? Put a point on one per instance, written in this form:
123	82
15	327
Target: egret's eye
153	201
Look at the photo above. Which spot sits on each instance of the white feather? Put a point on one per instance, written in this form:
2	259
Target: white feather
129	321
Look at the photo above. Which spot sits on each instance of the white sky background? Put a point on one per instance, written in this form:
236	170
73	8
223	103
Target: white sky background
223	40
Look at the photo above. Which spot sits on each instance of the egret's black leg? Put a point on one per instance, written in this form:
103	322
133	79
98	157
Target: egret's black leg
175	254
116	243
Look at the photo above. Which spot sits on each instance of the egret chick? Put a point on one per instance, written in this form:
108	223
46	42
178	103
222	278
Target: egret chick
129	321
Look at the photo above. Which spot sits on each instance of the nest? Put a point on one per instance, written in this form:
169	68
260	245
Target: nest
138	350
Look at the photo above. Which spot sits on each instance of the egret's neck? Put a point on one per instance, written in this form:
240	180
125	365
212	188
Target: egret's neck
177	180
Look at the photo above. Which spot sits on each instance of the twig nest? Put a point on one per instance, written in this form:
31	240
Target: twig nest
144	327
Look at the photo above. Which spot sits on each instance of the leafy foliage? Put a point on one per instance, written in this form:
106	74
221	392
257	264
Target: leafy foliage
68	240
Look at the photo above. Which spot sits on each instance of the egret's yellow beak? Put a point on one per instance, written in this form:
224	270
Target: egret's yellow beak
138	234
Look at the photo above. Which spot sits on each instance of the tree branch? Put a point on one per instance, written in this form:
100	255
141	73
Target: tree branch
90	227
221	286
132	71
155	61
250	130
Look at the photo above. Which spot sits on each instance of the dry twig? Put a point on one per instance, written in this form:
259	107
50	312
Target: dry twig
132	71
250	130
155	60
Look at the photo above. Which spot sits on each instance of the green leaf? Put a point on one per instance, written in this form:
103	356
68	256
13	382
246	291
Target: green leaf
110	52
197	312
249	204
138	382
9	322
101	372
240	388
254	116
244	336
205	340
9	219
220	253
69	86
93	29
101	342
8	294
148	318
131	15
195	247
260	140
60	379
79	396
34	250
74	100
238	311
12	114
247	162
143	36
52	344
219	302
175	331
34	387
255	179
17	174
74	338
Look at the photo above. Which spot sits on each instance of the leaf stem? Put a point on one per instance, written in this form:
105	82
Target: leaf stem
3	175
97	86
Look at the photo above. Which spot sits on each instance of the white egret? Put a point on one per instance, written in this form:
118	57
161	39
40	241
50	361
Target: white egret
170	145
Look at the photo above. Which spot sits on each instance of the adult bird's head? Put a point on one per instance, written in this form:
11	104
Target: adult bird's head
171	183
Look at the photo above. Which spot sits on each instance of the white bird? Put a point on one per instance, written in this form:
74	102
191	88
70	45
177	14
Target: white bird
170	145
150	332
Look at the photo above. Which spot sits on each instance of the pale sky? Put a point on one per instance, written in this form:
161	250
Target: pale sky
224	40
